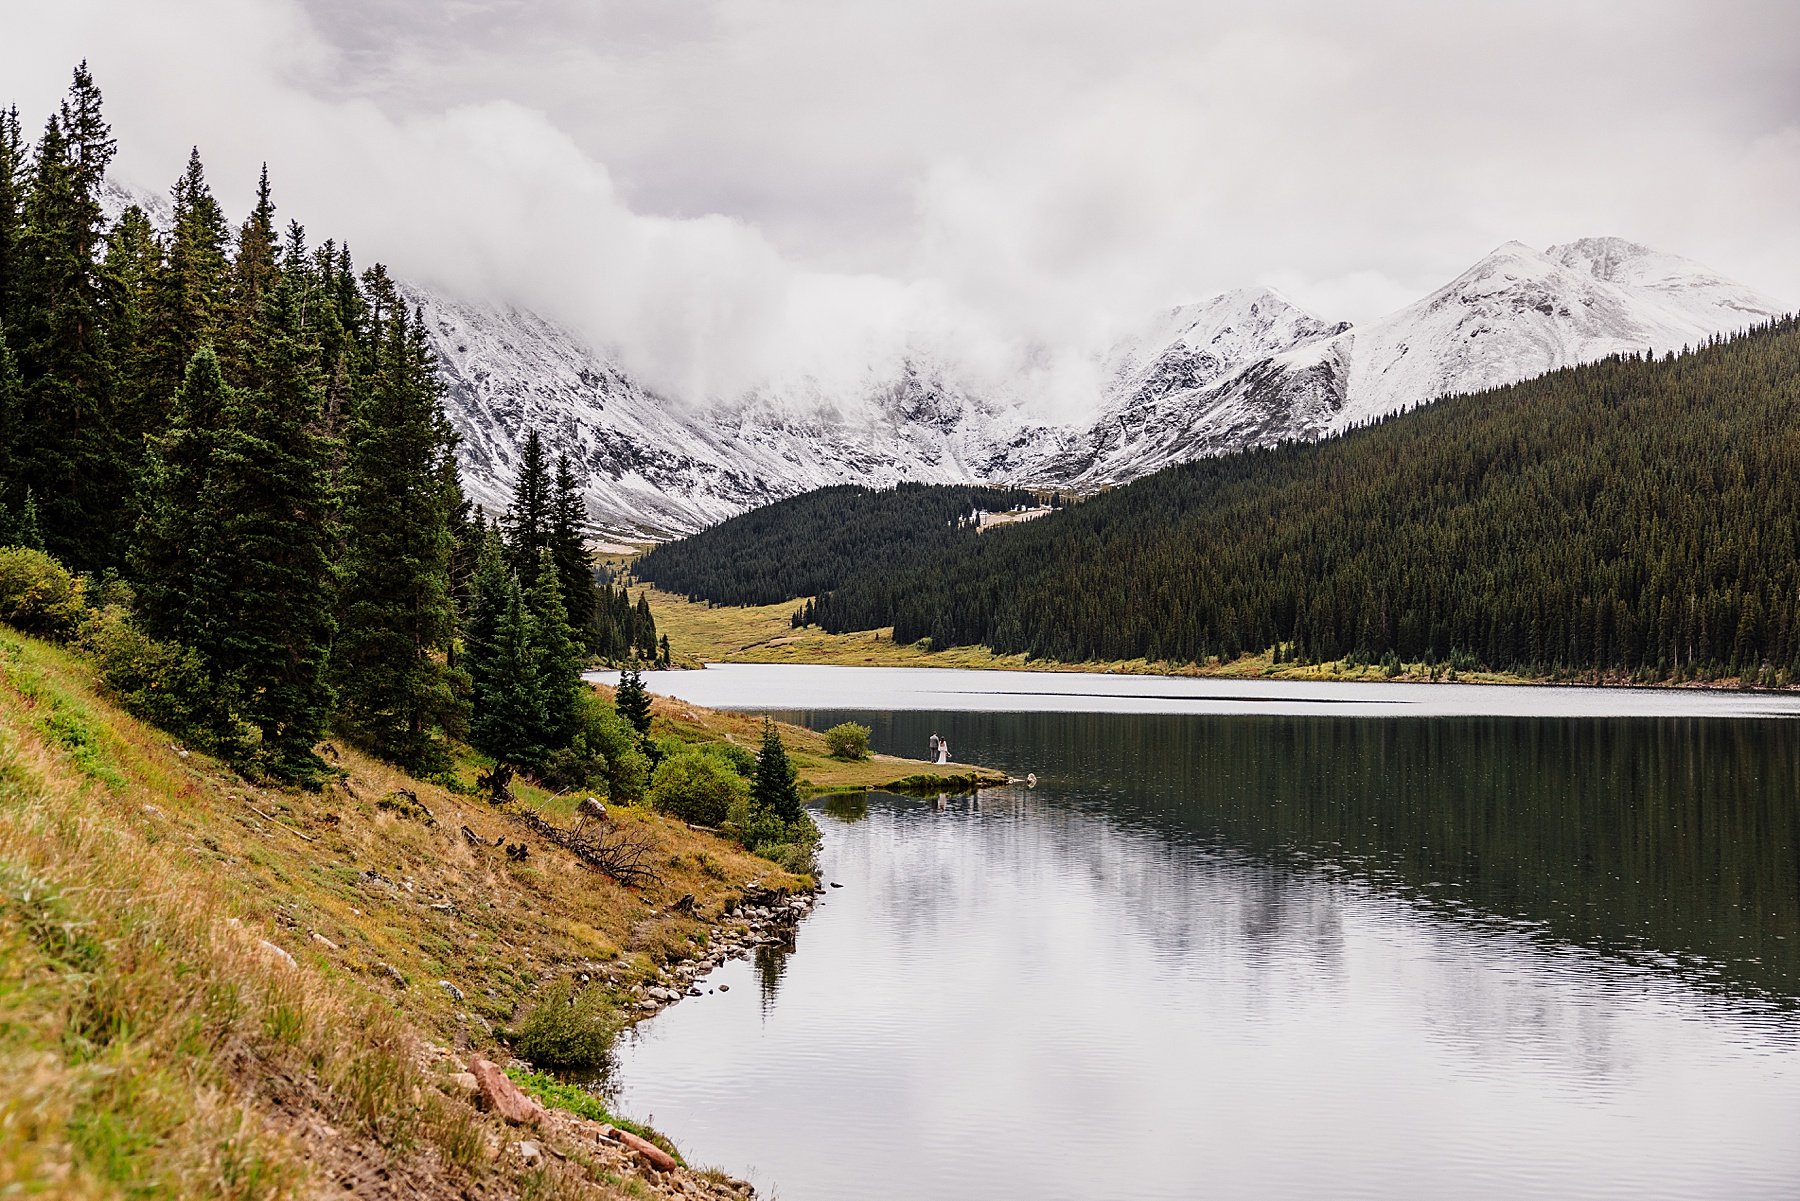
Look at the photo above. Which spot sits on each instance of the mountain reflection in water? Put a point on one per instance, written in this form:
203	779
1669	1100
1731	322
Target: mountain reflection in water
1273	956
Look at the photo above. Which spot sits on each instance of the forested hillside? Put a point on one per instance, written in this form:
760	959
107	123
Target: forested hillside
812	543
237	443
1634	516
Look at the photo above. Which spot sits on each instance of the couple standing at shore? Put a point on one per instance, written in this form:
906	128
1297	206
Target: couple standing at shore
940	750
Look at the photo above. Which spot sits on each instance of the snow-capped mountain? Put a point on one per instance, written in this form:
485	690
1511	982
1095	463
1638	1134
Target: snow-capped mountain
1273	372
656	467
1247	368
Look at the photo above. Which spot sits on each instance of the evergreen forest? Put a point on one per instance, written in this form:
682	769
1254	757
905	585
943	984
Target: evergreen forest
225	469
812	543
1635	518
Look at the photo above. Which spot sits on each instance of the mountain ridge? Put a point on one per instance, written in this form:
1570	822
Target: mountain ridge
1245	368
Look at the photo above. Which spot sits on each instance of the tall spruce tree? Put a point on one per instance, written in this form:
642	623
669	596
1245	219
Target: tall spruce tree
269	489
141	402
67	450
527	520
242	291
633	701
12	213
774	786
559	657
188	290
175	559
568	545
507	693
12	402
397	695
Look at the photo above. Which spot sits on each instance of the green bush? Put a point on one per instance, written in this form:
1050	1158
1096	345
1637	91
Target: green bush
848	741
792	844
605	752
741	758
38	595
697	786
161	682
570	1026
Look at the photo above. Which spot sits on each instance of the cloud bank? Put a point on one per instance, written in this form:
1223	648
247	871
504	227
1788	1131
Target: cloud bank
732	192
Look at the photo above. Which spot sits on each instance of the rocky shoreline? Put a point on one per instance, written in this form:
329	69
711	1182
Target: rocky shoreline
762	917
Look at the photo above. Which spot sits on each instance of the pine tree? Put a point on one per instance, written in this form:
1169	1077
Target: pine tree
188	291
12	213
643	626
774	787
12	411
67	449
142	403
242	290
559	659
568	545
507	694
269	490
527	520
396	695
633	701
174	560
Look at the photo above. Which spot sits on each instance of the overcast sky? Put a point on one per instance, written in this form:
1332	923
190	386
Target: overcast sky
728	190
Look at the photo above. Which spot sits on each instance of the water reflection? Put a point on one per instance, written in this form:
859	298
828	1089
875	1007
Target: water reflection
1673	843
1275	958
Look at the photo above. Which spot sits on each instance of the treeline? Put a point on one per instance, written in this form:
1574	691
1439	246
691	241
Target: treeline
239	442
810	544
1636	517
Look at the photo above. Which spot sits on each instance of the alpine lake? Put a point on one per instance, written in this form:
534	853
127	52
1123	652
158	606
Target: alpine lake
1265	941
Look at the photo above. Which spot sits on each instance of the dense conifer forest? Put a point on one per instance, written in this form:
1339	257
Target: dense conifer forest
1635	517
236	443
810	544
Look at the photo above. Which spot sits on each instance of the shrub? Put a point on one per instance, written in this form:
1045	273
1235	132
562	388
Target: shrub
848	741
37	594
604	752
741	758
161	682
570	1026
697	786
792	844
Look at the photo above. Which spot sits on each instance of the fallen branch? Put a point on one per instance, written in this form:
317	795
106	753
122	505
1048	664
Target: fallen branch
601	845
277	821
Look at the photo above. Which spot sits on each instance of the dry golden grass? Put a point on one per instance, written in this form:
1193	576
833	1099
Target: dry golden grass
700	633
195	989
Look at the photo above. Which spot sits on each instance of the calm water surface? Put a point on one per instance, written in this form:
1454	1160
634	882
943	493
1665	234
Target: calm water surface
1271	954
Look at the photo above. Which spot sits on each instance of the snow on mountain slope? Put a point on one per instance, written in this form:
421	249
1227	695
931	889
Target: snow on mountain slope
1519	313
1203	379
654	467
1248	368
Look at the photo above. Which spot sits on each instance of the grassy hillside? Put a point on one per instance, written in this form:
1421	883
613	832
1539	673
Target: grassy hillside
209	989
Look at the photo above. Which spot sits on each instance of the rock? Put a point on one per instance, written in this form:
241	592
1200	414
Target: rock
646	1150
393	974
724	988
530	1154
465	1082
456	994
665	994
502	1095
835	884
323	941
274	952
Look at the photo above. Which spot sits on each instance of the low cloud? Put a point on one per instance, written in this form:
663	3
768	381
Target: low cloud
729	194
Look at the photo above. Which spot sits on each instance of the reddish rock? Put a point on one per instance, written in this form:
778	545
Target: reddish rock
502	1095
657	1158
